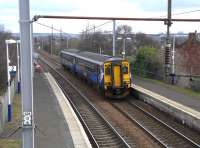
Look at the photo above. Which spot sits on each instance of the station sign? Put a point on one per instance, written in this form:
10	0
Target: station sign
12	70
27	120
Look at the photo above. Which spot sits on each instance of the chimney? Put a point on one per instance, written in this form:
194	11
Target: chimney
192	37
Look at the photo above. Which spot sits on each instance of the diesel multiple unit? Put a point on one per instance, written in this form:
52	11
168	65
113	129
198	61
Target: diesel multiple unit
110	74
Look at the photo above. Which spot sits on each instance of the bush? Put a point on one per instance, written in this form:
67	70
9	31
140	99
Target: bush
3	62
195	84
147	63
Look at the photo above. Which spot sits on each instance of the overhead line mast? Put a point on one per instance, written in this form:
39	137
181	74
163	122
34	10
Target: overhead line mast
168	22
26	75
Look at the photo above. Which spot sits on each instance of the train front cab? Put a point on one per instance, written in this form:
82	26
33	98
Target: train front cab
117	79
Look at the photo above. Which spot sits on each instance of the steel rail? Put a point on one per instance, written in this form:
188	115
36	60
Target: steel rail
50	58
163	123
141	126
89	133
194	144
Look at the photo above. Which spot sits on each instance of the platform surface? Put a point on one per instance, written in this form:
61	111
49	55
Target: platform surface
186	100
52	131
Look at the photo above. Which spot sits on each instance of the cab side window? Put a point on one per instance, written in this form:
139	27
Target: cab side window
125	70
107	71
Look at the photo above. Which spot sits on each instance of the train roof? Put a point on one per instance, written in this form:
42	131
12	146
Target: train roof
115	59
71	50
94	56
91	57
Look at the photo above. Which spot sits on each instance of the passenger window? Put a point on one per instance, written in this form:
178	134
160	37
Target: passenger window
125	70
107	71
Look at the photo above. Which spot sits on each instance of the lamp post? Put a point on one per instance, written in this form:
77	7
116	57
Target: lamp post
114	33
8	79
124	45
18	72
67	42
52	41
100	50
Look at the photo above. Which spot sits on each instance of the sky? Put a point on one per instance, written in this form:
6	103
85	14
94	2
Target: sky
9	14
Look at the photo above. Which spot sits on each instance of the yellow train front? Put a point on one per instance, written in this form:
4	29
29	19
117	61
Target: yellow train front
117	78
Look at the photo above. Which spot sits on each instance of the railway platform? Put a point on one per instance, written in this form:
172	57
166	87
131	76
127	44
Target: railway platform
189	101
56	122
184	107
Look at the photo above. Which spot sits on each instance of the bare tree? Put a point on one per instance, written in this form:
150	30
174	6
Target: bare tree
144	40
3	68
124	32
95	41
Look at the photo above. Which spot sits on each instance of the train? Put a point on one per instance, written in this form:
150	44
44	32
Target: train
111	75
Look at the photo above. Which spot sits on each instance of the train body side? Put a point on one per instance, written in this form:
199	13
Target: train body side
68	60
88	70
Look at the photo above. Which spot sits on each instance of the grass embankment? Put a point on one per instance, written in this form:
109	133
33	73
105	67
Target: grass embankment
185	91
13	141
1	91
10	143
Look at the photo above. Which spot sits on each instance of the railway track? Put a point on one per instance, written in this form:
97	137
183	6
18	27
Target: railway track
99	130
53	60
157	129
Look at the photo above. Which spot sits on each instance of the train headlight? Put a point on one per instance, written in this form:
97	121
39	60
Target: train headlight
105	87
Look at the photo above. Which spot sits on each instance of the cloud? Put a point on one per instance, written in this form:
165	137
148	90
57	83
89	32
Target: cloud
161	5
86	7
151	5
115	8
52	5
185	4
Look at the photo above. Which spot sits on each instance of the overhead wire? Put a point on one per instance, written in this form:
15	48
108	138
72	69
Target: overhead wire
50	27
92	28
184	12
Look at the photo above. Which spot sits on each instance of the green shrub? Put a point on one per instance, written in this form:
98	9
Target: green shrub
147	63
195	85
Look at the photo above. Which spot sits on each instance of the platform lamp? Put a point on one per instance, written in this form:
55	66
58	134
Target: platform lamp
124	45
8	79
18	68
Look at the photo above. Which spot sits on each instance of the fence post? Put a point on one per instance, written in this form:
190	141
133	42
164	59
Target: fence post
1	114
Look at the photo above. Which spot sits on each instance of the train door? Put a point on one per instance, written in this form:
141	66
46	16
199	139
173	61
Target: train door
107	74
126	72
116	75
